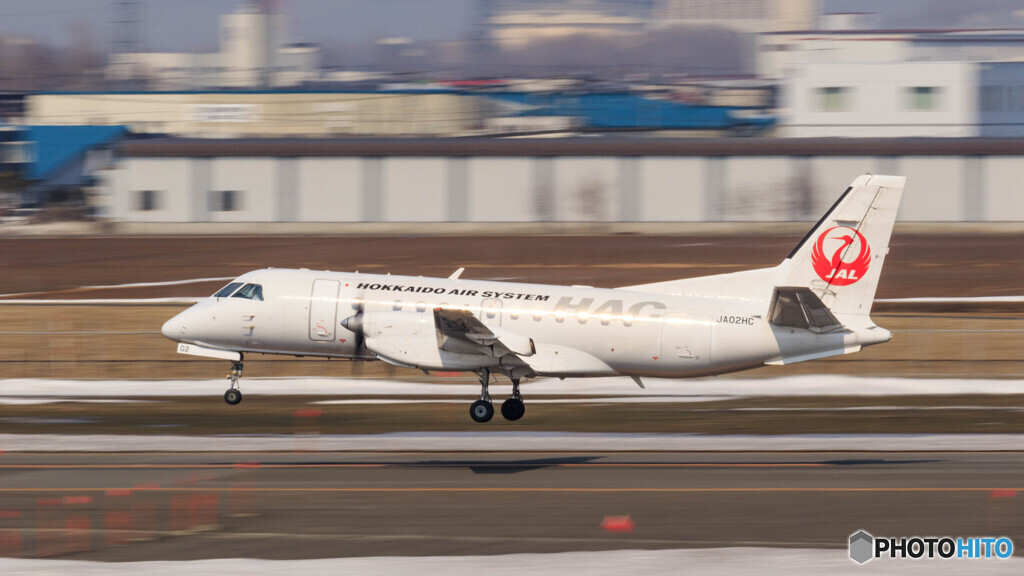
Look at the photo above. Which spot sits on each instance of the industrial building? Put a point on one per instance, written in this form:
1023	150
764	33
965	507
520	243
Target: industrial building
782	54
50	160
755	16
904	99
388	113
253	53
513	24
348	182
263	113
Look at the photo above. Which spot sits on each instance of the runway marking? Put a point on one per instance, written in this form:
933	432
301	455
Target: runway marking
257	465
239	465
483	489
30	453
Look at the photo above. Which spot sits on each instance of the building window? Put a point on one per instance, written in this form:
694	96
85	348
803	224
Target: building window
834	98
923	98
225	201
15	153
1017	98
992	99
148	200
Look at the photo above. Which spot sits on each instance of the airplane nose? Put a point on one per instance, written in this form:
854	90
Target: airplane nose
173	328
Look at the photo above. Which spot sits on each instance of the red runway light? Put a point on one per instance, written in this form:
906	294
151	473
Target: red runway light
617	524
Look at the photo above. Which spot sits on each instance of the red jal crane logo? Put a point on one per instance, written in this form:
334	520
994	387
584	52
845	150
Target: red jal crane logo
850	256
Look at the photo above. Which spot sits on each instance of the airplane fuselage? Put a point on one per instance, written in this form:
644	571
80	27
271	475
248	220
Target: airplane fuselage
564	331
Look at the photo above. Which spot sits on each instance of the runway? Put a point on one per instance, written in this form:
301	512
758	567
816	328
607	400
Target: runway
313	500
183	506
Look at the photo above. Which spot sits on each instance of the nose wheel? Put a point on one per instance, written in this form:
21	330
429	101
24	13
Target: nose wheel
233	396
482	410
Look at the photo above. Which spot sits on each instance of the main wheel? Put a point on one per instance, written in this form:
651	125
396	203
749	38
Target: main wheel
233	396
513	409
481	411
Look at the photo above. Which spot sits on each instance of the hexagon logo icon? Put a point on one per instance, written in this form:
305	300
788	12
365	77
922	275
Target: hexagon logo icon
862	547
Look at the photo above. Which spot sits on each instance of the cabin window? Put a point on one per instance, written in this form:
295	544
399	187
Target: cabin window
227	290
421	306
250	292
397	306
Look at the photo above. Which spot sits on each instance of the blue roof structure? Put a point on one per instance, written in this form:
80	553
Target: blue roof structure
53	147
618	111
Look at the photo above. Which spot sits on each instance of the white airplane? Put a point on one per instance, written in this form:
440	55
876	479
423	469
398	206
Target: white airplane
815	304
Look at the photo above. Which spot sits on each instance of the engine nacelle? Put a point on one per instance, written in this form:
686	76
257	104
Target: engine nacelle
410	339
395	323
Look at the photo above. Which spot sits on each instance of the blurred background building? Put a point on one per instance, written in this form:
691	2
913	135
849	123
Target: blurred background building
758	16
482	181
253	53
639	74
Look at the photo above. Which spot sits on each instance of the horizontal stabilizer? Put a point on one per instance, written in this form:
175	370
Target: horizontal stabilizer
813	356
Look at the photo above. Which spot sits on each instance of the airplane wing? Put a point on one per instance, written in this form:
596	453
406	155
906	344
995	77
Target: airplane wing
457	329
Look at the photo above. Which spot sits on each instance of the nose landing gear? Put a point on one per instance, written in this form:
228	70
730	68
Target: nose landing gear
233	395
482	410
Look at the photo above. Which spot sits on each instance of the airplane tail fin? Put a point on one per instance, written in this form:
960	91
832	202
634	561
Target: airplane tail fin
835	269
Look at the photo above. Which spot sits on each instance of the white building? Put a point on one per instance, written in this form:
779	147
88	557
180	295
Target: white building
252	54
780	53
899	99
399	182
739	15
515	25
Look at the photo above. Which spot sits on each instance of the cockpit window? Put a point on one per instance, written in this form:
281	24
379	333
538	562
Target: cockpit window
227	290
250	291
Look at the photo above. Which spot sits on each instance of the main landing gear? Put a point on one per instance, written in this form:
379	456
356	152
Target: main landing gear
233	396
514	408
482	410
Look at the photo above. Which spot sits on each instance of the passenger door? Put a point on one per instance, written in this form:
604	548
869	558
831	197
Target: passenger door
323	310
